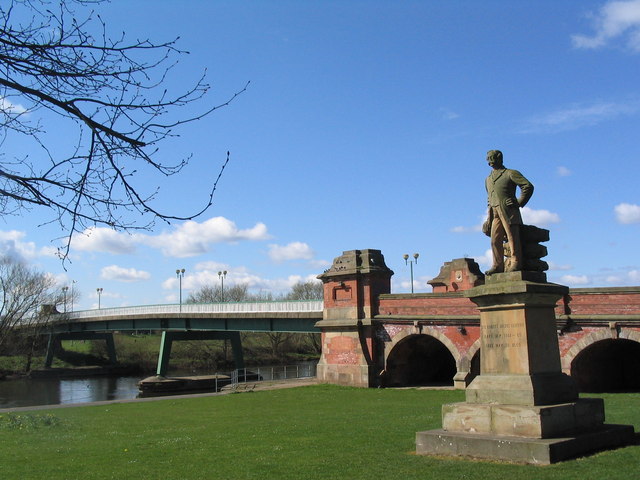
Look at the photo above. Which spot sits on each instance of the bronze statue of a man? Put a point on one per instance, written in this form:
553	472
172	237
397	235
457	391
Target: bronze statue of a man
504	217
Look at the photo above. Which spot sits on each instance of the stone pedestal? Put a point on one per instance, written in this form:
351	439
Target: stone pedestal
521	407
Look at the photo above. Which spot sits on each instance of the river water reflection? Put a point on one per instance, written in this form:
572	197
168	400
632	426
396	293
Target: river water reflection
54	391
27	392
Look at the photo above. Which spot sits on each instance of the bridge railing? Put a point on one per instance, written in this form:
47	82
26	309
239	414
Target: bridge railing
194	308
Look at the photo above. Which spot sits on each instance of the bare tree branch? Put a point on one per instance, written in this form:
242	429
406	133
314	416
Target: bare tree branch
59	70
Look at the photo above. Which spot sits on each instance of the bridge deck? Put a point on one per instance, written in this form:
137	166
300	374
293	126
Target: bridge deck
256	316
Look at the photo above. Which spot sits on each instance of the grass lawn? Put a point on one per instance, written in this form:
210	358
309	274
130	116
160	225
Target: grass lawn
315	432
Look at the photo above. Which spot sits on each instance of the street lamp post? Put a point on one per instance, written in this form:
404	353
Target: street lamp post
73	282
221	276
180	274
64	292
411	262
99	291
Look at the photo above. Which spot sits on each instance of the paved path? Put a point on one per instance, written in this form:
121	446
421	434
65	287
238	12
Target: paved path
243	387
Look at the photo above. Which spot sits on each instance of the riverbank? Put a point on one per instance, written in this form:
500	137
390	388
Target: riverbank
79	387
241	388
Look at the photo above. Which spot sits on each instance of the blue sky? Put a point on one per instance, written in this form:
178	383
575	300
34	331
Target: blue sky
366	125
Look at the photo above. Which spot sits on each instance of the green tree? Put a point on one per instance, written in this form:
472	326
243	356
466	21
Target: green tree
62	71
233	293
309	290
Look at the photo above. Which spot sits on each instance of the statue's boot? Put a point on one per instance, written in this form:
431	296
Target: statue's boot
513	267
495	269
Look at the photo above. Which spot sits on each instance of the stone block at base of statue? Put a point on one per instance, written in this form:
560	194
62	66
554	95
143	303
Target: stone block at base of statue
522	420
537	389
538	451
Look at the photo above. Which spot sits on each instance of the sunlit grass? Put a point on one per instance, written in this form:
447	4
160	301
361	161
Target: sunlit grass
317	432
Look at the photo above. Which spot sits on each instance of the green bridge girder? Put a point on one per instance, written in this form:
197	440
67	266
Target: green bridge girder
305	323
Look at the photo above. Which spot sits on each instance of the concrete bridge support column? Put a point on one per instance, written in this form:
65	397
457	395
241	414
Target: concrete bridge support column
169	337
351	289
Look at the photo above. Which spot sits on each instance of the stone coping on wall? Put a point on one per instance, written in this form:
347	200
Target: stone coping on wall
579	319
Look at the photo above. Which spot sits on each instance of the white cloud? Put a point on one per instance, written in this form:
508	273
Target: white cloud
563	171
206	274
627	213
114	272
320	265
9	108
291	251
539	217
185	240
615	19
192	238
100	239
575	280
579	115
556	267
13	244
448	114
486	259
211	265
472	229
634	276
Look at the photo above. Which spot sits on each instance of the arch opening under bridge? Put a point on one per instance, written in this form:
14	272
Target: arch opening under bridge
419	360
608	365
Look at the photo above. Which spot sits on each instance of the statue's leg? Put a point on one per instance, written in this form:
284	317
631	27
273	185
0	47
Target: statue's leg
497	244
515	245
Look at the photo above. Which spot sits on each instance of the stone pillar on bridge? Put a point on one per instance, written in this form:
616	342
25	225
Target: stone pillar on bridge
351	289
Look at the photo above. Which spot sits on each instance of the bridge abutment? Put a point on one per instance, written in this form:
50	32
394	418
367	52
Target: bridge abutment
351	289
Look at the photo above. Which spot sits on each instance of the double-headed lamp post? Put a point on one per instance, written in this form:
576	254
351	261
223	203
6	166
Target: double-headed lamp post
99	291
221	276
411	262
180	274
64	292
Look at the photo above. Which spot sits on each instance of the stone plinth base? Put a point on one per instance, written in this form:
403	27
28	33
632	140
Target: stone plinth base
349	375
538	389
521	449
524	420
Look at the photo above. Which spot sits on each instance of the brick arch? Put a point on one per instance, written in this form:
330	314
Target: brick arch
593	337
425	330
465	360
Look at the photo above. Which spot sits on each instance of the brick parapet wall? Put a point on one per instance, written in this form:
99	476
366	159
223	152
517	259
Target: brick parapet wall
613	302
604	301
427	304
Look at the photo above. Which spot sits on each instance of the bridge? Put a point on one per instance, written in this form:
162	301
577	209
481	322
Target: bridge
371	337
212	321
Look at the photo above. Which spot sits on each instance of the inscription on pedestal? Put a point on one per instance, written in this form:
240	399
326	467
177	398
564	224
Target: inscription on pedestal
503	344
502	336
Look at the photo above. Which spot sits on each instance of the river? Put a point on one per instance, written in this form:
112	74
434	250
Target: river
26	392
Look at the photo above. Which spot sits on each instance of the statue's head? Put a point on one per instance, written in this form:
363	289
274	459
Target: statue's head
494	158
